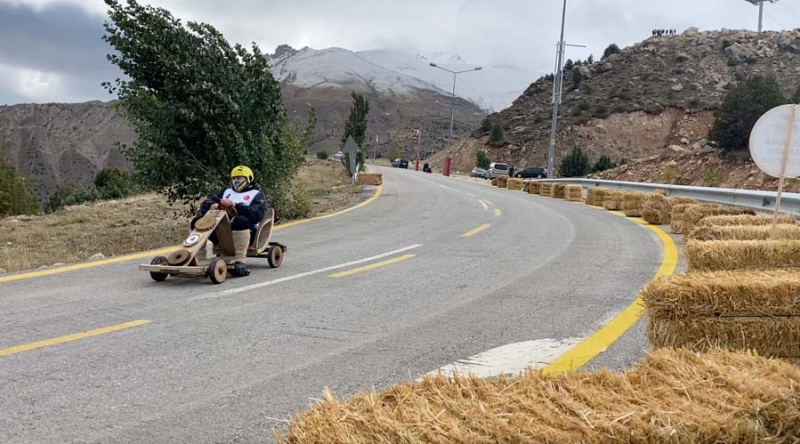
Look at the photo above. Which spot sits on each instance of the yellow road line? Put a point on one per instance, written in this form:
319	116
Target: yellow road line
162	251
497	212
487	202
475	231
72	337
592	346
371	266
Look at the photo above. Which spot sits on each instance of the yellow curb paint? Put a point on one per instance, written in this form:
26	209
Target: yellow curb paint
72	337
497	212
167	250
371	266
475	231
592	346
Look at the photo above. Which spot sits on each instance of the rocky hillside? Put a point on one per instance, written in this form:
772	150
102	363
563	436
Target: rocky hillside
637	103
53	144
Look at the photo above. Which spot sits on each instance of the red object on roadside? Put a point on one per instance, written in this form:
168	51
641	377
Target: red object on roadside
446	168
416	168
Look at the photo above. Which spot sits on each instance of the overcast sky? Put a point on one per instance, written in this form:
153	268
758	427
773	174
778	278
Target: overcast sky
51	50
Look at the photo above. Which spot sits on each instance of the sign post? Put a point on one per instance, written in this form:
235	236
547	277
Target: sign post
773	149
350	151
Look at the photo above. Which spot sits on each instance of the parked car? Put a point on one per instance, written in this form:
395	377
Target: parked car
496	169
400	163
478	172
531	172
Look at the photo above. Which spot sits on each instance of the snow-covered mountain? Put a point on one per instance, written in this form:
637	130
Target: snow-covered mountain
399	72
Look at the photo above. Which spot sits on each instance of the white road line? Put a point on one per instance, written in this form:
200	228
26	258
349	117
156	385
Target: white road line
510	359
471	195
485	207
300	275
448	188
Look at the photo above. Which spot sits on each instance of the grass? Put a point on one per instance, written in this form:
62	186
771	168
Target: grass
73	234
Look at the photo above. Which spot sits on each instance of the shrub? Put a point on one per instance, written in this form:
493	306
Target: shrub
70	194
612	49
584	105
322	155
114	184
577	78
569	65
602	164
486	125
482	160
15	198
496	138
576	164
743	105
601	111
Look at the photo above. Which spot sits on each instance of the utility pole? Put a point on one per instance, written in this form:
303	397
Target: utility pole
453	98
760	4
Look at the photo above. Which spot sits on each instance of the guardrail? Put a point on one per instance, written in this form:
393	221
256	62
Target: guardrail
757	200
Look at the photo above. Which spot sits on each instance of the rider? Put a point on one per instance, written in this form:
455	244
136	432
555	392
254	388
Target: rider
251	206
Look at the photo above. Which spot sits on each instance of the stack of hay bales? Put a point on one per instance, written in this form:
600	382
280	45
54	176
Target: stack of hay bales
760	219
612	200
743	232
534	187
546	189
515	184
695	213
742	310
494	182
502	182
742	254
559	191
632	204
595	196
673	396
655	209
678	211
370	178
574	193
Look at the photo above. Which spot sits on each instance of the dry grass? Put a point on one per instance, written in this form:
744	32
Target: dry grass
695	213
370	179
595	196
671	396
547	189
574	193
741	255
515	184
140	223
559	190
724	293
761	219
632	204
612	200
743	232
773	336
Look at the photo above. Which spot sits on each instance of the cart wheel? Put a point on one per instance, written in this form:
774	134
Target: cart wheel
218	270
158	277
275	256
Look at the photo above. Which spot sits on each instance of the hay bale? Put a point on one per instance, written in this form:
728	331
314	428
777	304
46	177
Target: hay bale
574	193
670	396
494	182
742	255
676	215
612	200
595	196
514	184
559	190
655	209
743	232
546	189
773	336
632	204
534	187
695	213
761	219
724	293
370	178
502	182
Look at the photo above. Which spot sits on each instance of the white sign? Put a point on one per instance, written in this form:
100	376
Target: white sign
768	142
191	240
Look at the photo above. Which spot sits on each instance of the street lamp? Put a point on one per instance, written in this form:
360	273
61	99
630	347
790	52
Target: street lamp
760	4
453	108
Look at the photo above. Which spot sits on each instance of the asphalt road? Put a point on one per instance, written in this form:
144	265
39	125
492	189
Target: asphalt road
227	363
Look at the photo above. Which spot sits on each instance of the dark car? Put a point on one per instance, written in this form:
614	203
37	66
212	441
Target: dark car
531	172
400	163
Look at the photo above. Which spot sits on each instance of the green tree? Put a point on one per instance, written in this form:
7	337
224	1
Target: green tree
394	152
576	164
70	194
611	49
569	65
486	125
577	78
602	164
15	198
356	126
199	105
114	184
590	60
496	138
482	160
743	105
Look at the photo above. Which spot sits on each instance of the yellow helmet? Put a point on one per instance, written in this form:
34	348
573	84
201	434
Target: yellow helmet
241	171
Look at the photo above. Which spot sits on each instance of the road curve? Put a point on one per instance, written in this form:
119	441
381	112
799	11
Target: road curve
434	271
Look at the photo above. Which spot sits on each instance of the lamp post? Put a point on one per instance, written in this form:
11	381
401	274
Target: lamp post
760	4
453	107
